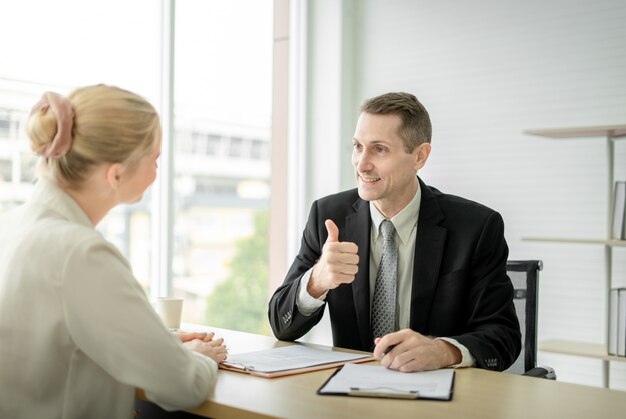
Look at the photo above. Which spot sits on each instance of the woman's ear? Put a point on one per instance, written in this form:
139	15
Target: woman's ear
423	151
112	174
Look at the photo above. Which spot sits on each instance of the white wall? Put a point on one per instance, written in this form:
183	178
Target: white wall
486	70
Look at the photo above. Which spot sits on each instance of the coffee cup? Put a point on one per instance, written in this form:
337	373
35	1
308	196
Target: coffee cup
170	309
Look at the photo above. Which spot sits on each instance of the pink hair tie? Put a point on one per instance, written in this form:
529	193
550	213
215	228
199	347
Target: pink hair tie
61	107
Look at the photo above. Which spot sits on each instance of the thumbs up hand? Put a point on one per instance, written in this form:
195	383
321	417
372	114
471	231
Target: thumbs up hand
333	231
338	265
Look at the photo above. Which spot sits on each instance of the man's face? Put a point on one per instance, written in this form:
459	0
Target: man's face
385	172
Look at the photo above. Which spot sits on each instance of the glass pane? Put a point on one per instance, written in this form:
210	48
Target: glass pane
222	123
16	161
65	44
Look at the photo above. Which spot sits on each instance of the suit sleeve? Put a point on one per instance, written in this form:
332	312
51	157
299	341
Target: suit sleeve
286	321
493	332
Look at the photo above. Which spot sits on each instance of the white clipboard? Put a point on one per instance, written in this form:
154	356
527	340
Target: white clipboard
378	381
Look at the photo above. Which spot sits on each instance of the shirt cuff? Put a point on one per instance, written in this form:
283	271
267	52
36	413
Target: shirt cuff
306	304
467	360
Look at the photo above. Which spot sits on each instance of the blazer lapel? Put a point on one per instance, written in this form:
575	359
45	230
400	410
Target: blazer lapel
429	245
358	227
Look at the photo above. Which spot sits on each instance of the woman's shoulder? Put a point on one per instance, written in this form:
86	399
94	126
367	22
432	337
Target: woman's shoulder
45	232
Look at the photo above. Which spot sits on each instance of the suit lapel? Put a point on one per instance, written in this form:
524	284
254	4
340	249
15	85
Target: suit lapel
358	227
429	245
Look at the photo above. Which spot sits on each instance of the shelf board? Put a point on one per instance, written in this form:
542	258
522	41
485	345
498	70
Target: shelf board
614	131
585	349
613	243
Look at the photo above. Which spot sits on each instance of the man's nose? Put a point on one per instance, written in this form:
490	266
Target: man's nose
363	162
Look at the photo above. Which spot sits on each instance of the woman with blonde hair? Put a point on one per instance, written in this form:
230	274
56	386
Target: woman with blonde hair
77	333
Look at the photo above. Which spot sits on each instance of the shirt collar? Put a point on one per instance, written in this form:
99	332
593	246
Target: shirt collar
403	222
49	194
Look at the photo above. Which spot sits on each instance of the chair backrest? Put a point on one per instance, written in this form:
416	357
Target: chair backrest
524	275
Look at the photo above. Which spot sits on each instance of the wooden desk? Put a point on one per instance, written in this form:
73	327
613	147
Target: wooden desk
477	394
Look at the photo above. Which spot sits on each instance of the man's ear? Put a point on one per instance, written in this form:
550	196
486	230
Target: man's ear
112	174
423	151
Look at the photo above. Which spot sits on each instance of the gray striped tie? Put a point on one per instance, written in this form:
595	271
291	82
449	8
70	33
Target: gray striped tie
384	304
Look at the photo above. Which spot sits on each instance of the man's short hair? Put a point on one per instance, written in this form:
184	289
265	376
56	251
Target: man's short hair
415	129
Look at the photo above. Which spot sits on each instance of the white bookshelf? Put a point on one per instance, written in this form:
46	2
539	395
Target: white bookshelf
609	134
572	240
586	349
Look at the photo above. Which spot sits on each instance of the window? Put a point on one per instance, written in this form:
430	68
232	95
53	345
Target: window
27	168
136	42
9	148
222	101
258	150
214	145
235	149
5	124
198	143
5	170
221	214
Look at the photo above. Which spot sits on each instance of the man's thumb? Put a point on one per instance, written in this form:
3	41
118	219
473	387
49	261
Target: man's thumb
333	231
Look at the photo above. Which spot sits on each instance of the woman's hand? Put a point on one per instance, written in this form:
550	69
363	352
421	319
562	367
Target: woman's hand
187	336
206	345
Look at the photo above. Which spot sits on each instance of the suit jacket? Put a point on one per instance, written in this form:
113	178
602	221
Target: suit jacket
460	287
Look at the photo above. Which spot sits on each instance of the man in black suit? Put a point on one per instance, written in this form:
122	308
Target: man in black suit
453	298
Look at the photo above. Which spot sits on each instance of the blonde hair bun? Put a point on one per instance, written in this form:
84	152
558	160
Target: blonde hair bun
41	129
108	125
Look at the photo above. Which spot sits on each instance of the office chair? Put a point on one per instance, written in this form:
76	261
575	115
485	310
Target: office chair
524	275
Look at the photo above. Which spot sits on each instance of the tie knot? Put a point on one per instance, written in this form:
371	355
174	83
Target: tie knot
387	229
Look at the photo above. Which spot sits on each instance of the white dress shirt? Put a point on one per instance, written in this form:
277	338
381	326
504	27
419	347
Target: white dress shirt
405	224
77	333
